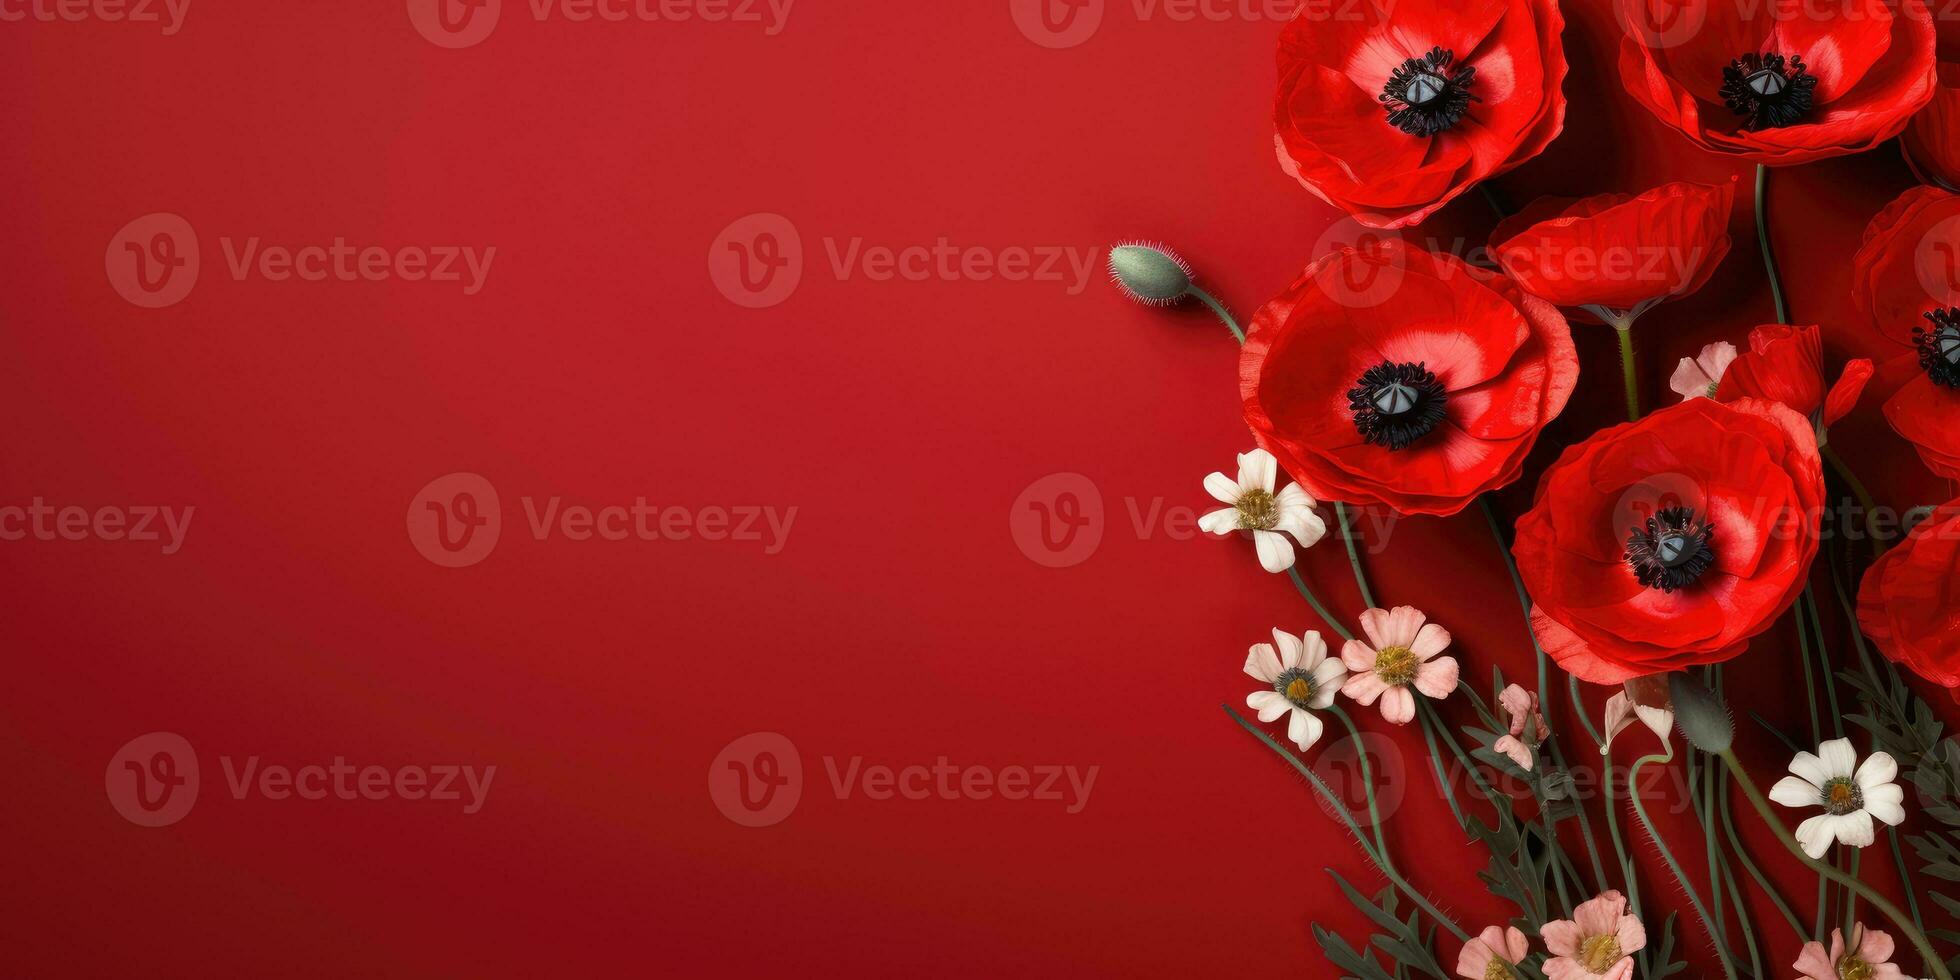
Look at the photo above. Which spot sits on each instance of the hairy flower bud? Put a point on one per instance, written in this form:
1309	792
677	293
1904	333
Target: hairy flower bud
1150	274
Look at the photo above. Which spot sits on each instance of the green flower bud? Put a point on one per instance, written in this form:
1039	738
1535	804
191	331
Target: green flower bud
1701	714
1150	274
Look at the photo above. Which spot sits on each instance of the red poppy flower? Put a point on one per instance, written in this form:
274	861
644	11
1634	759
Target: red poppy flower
1669	542
1784	364
1909	603
1932	141
1390	375
1783	81
1387	109
1618	254
1906	284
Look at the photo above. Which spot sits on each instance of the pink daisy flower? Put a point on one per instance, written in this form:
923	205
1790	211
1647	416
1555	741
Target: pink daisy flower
1598	941
1869	958
1400	653
1492	954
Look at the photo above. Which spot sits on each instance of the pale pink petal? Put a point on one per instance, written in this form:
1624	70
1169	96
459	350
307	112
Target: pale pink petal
1814	963
1565	969
1473	962
1269	704
1430	641
1632	935
1516	702
1404	623
1374	625
1562	937
1398	706
1313	650
1364	687
1436	678
1619	971
1515	944
1261	663
1358	655
1599	916
1877	947
1289	649
1619	715
1516	750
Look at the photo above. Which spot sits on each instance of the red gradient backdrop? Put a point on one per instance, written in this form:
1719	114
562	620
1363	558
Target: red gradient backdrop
902	417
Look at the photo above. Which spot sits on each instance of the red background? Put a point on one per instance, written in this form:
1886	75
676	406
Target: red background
900	623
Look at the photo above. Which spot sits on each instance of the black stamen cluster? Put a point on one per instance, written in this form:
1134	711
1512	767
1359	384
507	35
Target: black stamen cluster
1671	549
1396	404
1767	91
1426	96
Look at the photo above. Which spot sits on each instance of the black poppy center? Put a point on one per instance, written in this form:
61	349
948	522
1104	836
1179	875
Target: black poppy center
1396	404
1768	91
1939	346
1427	95
1671	549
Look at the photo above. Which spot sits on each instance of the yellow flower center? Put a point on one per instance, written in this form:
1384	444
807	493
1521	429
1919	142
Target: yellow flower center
1842	796
1258	511
1396	665
1499	970
1299	691
1853	968
1598	953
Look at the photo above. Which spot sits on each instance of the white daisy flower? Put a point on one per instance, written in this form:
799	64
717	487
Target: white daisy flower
1851	795
1304	679
1253	506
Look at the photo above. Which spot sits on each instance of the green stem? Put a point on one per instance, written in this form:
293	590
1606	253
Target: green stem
1816	738
1354	557
1749	864
1762	237
1314	601
1858	490
1544	695
1442	775
1680	876
1629	371
1327	796
1905	876
1367	780
1224	315
1933	963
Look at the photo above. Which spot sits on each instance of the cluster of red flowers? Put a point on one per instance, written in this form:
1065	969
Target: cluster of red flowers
1671	540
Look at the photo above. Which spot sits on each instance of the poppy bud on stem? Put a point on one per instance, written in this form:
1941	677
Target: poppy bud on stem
1155	276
